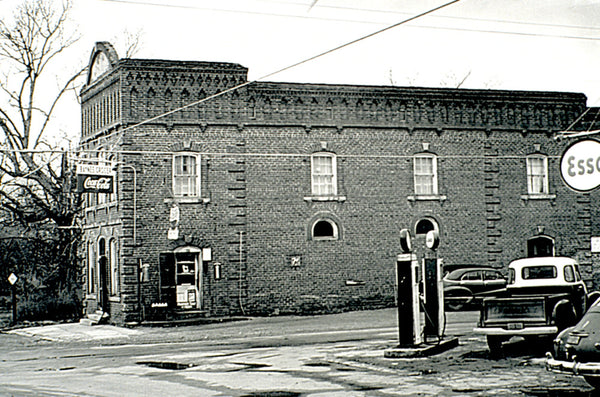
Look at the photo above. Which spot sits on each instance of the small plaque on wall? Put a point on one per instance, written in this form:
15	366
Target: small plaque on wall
206	254
595	245
294	260
173	233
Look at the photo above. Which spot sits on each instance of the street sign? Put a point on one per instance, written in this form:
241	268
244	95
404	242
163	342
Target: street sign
12	279
580	165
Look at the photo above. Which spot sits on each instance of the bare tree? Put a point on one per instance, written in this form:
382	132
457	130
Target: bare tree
35	181
31	166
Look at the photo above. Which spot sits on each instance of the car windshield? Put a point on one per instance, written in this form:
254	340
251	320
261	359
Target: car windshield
538	272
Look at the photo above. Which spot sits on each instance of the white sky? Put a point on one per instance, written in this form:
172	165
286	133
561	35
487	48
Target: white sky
547	45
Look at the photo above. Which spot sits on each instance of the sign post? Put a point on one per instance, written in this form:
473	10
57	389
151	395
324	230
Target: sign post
12	279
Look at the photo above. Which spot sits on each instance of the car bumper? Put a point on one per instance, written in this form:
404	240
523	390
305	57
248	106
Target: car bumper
549	330
572	367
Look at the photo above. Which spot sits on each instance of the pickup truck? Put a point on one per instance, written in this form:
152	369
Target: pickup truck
543	296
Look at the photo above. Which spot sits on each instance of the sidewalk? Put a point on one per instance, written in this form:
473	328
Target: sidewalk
257	327
75	332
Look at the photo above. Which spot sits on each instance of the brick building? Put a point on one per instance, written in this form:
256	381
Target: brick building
287	198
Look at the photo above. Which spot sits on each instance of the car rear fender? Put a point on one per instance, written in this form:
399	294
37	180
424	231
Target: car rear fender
563	314
457	291
592	297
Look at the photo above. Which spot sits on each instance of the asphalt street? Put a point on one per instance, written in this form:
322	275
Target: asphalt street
329	355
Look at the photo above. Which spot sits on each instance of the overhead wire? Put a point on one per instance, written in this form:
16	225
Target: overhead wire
387	12
296	64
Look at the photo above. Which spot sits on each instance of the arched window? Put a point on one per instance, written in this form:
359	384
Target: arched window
114	267
540	246
324	229
91	276
425	225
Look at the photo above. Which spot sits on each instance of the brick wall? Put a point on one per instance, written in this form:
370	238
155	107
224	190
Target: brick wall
256	209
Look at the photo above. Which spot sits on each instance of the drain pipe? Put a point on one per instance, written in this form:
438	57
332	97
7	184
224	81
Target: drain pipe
240	274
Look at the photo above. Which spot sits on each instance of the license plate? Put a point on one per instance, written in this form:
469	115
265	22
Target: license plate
573	339
513	326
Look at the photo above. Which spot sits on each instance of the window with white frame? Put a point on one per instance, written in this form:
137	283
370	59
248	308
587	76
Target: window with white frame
186	175
425	174
537	174
324	175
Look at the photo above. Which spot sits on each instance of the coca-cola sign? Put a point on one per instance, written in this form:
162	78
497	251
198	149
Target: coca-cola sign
95	183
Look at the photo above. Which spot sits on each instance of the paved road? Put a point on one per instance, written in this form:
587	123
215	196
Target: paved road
337	355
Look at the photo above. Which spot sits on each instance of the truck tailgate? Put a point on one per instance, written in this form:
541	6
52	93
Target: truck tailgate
514	312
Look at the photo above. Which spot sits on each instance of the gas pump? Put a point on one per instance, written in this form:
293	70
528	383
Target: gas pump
433	289
420	286
407	280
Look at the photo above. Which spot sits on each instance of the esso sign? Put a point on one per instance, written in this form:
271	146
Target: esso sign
580	165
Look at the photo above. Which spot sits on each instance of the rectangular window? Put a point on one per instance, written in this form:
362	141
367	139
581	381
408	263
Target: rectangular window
91	268
324	180
425	173
537	175
113	257
186	175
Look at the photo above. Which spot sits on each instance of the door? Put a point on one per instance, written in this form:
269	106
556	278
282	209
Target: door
540	246
103	284
472	280
188	278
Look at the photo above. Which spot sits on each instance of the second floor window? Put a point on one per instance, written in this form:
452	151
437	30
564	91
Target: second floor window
186	175
323	171
425	174
537	174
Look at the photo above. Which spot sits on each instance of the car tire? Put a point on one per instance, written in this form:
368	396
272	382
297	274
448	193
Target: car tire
495	345
593	381
459	301
564	314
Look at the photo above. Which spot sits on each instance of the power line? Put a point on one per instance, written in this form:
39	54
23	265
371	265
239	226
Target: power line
306	60
314	17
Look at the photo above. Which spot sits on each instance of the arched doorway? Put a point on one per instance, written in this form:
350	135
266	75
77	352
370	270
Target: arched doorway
540	246
103	276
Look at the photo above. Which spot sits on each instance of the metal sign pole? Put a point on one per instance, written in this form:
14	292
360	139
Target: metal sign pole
12	279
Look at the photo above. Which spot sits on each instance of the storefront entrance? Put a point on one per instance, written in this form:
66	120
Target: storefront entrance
181	278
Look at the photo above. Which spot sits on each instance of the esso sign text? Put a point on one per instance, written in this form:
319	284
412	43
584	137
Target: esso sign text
580	165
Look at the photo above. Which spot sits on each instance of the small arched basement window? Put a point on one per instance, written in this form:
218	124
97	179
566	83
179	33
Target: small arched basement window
425	225
324	229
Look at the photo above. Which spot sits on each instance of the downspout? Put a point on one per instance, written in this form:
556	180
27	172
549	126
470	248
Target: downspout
240	275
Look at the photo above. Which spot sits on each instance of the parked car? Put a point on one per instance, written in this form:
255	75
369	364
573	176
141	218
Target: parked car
464	286
576	350
543	296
